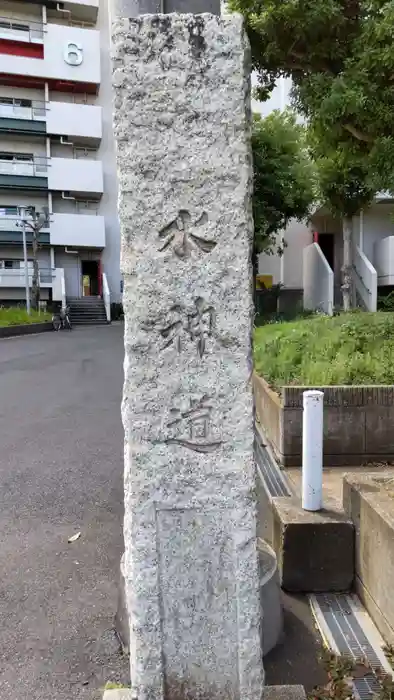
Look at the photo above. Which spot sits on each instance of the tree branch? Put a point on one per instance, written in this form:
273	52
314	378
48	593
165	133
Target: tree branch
359	135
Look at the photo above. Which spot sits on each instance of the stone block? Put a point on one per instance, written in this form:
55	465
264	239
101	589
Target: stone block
315	551
284	692
357	423
182	126
118	694
369	501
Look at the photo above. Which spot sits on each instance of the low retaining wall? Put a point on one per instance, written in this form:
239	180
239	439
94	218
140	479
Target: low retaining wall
369	502
26	329
358	423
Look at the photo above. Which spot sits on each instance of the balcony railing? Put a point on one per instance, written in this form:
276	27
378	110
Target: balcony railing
21	30
15	277
13	110
36	167
13	223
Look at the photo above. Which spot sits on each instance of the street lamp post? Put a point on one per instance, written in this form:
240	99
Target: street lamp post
22	214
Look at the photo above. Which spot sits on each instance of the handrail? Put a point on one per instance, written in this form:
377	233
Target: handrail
14	110
33	28
63	288
12	221
34	166
106	298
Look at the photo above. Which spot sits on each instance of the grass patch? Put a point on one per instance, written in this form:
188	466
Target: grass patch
354	348
15	316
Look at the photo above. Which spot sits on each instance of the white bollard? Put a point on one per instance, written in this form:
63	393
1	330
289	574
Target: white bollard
312	450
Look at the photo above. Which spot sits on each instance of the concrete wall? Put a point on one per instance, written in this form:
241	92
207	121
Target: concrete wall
358	423
318	281
369	502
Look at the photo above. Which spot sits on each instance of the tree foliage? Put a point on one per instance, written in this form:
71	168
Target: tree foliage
283	176
34	222
339	54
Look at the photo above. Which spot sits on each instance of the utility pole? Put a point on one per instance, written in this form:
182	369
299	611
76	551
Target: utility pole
22	223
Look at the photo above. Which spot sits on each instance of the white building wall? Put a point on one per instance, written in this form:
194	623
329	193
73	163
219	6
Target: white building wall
298	235
74	120
109	201
288	268
53	66
279	99
77	230
378	224
75	175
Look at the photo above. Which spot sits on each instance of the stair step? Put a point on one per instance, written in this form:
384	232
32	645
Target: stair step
87	311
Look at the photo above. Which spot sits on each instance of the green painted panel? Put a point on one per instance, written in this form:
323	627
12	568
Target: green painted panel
22	126
15	237
23	182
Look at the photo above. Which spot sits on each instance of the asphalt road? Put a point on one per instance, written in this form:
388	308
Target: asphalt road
61	450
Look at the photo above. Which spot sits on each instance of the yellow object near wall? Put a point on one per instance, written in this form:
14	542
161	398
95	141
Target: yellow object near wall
264	281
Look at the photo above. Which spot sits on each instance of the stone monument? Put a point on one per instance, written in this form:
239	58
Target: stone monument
182	125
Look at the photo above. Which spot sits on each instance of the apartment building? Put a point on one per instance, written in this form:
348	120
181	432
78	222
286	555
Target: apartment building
57	150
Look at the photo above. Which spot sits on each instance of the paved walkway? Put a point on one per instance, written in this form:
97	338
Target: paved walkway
61	446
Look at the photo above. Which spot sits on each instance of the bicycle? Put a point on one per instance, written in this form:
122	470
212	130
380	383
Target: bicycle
61	320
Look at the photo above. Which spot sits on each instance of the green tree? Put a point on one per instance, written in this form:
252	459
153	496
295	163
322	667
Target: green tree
284	180
34	222
339	56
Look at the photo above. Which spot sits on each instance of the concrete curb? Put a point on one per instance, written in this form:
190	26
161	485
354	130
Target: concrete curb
117	694
26	329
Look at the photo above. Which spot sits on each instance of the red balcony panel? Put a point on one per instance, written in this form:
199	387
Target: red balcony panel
27	81
21	48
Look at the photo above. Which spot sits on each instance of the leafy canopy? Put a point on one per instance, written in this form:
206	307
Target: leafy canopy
283	176
339	54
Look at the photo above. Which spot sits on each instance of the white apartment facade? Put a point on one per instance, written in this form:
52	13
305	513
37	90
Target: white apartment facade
310	269
57	150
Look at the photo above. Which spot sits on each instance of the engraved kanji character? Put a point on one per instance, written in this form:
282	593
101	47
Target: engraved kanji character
178	235
195	421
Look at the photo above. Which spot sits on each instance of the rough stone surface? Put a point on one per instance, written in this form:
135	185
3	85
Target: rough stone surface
284	692
182	124
119	694
315	551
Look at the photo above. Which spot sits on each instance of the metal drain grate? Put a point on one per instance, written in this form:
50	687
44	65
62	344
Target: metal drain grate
336	616
274	479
